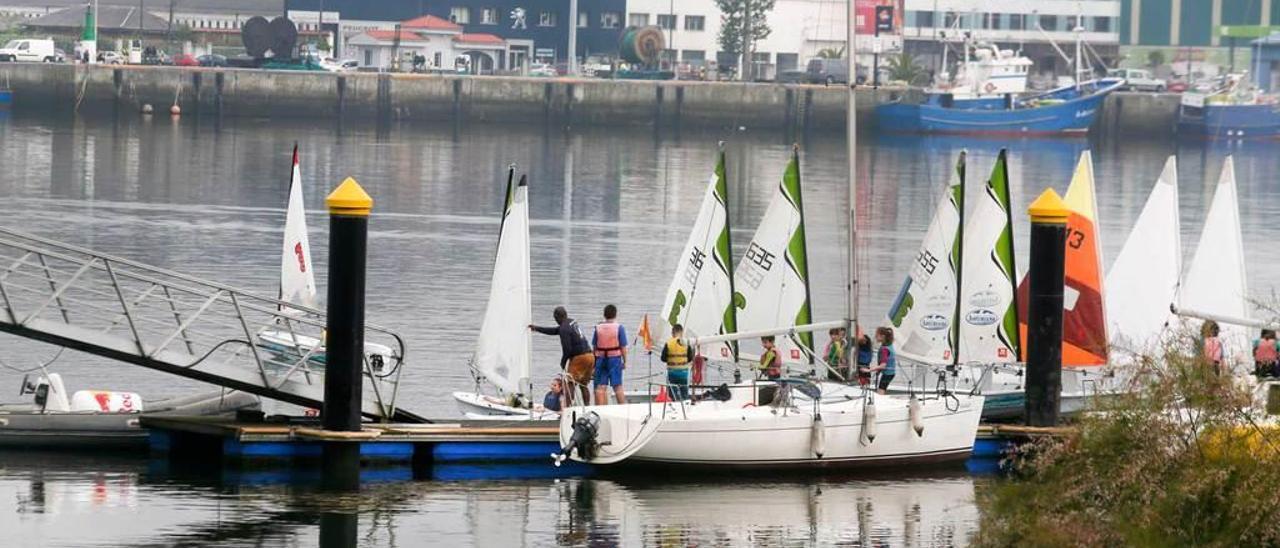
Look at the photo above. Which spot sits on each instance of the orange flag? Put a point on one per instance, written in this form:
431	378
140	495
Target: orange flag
645	335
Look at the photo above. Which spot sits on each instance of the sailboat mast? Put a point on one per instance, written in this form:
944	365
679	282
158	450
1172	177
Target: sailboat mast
851	138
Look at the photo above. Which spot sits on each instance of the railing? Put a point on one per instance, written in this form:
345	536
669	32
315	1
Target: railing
121	309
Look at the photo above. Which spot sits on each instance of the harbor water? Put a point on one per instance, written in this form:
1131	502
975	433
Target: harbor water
610	211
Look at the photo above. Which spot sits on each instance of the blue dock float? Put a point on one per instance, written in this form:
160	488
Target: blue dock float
511	443
6	98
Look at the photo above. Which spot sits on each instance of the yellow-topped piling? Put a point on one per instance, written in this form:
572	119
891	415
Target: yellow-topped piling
1049	208
349	199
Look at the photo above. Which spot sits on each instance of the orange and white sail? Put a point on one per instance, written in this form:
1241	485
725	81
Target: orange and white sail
1084	322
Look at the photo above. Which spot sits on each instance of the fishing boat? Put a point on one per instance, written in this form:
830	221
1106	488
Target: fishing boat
1065	110
298	287
503	354
790	423
984	76
1234	109
95	420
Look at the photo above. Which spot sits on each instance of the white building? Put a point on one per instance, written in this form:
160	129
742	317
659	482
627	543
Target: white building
441	43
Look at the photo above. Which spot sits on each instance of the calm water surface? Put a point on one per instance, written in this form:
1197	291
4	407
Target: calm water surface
610	211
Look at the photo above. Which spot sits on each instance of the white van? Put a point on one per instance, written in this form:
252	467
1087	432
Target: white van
31	50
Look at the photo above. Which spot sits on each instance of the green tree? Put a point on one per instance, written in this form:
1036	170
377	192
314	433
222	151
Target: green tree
903	67
733	13
831	53
1155	58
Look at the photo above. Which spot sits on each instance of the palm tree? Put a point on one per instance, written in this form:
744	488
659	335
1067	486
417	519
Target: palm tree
903	67
831	53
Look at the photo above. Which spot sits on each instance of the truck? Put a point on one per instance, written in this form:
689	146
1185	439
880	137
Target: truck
31	50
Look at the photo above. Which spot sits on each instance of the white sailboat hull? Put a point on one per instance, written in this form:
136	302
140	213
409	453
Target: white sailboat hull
1004	388
737	433
473	405
293	346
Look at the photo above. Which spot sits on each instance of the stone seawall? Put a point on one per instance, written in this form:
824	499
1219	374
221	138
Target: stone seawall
386	97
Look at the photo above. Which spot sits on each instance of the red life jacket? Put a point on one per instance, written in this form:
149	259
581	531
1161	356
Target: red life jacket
607	343
1265	352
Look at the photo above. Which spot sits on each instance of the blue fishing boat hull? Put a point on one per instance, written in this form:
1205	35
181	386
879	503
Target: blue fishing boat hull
6	98
1071	111
1230	121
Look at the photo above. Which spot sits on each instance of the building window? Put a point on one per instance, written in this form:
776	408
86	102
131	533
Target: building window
584	20
610	19
695	22
1049	22
950	19
760	57
694	56
1017	21
924	19
667	22
991	21
638	20
460	15
668	56
547	19
438	59
788	61
368	58
489	16
1102	24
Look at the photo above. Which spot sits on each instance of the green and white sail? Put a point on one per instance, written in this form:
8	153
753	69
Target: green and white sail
923	315
504	350
772	280
988	317
701	293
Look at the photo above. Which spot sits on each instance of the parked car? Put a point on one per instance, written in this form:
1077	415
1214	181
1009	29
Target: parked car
542	69
827	71
1137	79
111	57
1177	86
185	60
59	56
152	55
212	60
31	50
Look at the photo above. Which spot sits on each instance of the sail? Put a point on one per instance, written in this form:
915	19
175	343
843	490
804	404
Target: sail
701	293
988	311
503	349
1216	282
1143	280
772	280
1084	331
923	315
297	279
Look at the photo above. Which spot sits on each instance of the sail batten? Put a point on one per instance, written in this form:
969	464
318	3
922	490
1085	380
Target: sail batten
700	296
772	279
504	348
924	312
297	278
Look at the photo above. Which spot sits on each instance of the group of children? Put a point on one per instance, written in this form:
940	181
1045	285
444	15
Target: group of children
1266	350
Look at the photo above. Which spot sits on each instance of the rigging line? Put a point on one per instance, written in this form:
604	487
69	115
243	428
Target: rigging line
39	367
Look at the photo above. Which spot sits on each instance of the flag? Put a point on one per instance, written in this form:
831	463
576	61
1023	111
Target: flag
646	336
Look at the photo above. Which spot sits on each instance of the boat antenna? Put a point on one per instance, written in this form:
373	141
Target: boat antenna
851	129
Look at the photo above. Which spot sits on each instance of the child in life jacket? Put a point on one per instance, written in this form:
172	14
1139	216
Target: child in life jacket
1266	354
865	354
1212	346
887	360
676	355
770	363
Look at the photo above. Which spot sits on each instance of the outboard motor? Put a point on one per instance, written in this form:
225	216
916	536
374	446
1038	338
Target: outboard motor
583	439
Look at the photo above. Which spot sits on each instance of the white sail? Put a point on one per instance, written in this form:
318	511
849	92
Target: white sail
503	350
1143	280
772	280
701	293
988	313
923	315
1216	281
297	279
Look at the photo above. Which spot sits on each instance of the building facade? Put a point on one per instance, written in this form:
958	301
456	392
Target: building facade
1194	23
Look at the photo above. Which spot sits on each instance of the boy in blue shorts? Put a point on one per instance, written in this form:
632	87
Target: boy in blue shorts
610	343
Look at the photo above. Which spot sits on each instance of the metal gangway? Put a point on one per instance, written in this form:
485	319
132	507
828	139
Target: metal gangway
168	321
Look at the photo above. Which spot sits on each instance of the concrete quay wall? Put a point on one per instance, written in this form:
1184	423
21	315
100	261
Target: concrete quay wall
386	97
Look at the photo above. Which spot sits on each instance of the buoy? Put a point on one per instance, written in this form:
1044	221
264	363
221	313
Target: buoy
146	108
175	110
869	420
818	436
917	423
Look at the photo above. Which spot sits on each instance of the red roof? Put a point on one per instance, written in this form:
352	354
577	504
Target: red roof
390	35
479	39
430	22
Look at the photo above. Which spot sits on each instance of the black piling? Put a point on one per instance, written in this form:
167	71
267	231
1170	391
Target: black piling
349	208
1044	309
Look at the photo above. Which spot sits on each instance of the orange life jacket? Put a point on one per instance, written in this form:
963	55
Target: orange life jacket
607	343
1265	352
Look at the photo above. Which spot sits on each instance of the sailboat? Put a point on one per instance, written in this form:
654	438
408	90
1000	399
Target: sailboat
771	282
504	351
1215	284
780	424
298	287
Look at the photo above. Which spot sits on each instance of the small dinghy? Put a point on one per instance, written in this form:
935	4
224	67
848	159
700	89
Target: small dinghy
99	419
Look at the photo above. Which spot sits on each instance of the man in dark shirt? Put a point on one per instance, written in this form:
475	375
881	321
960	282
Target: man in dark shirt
576	358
